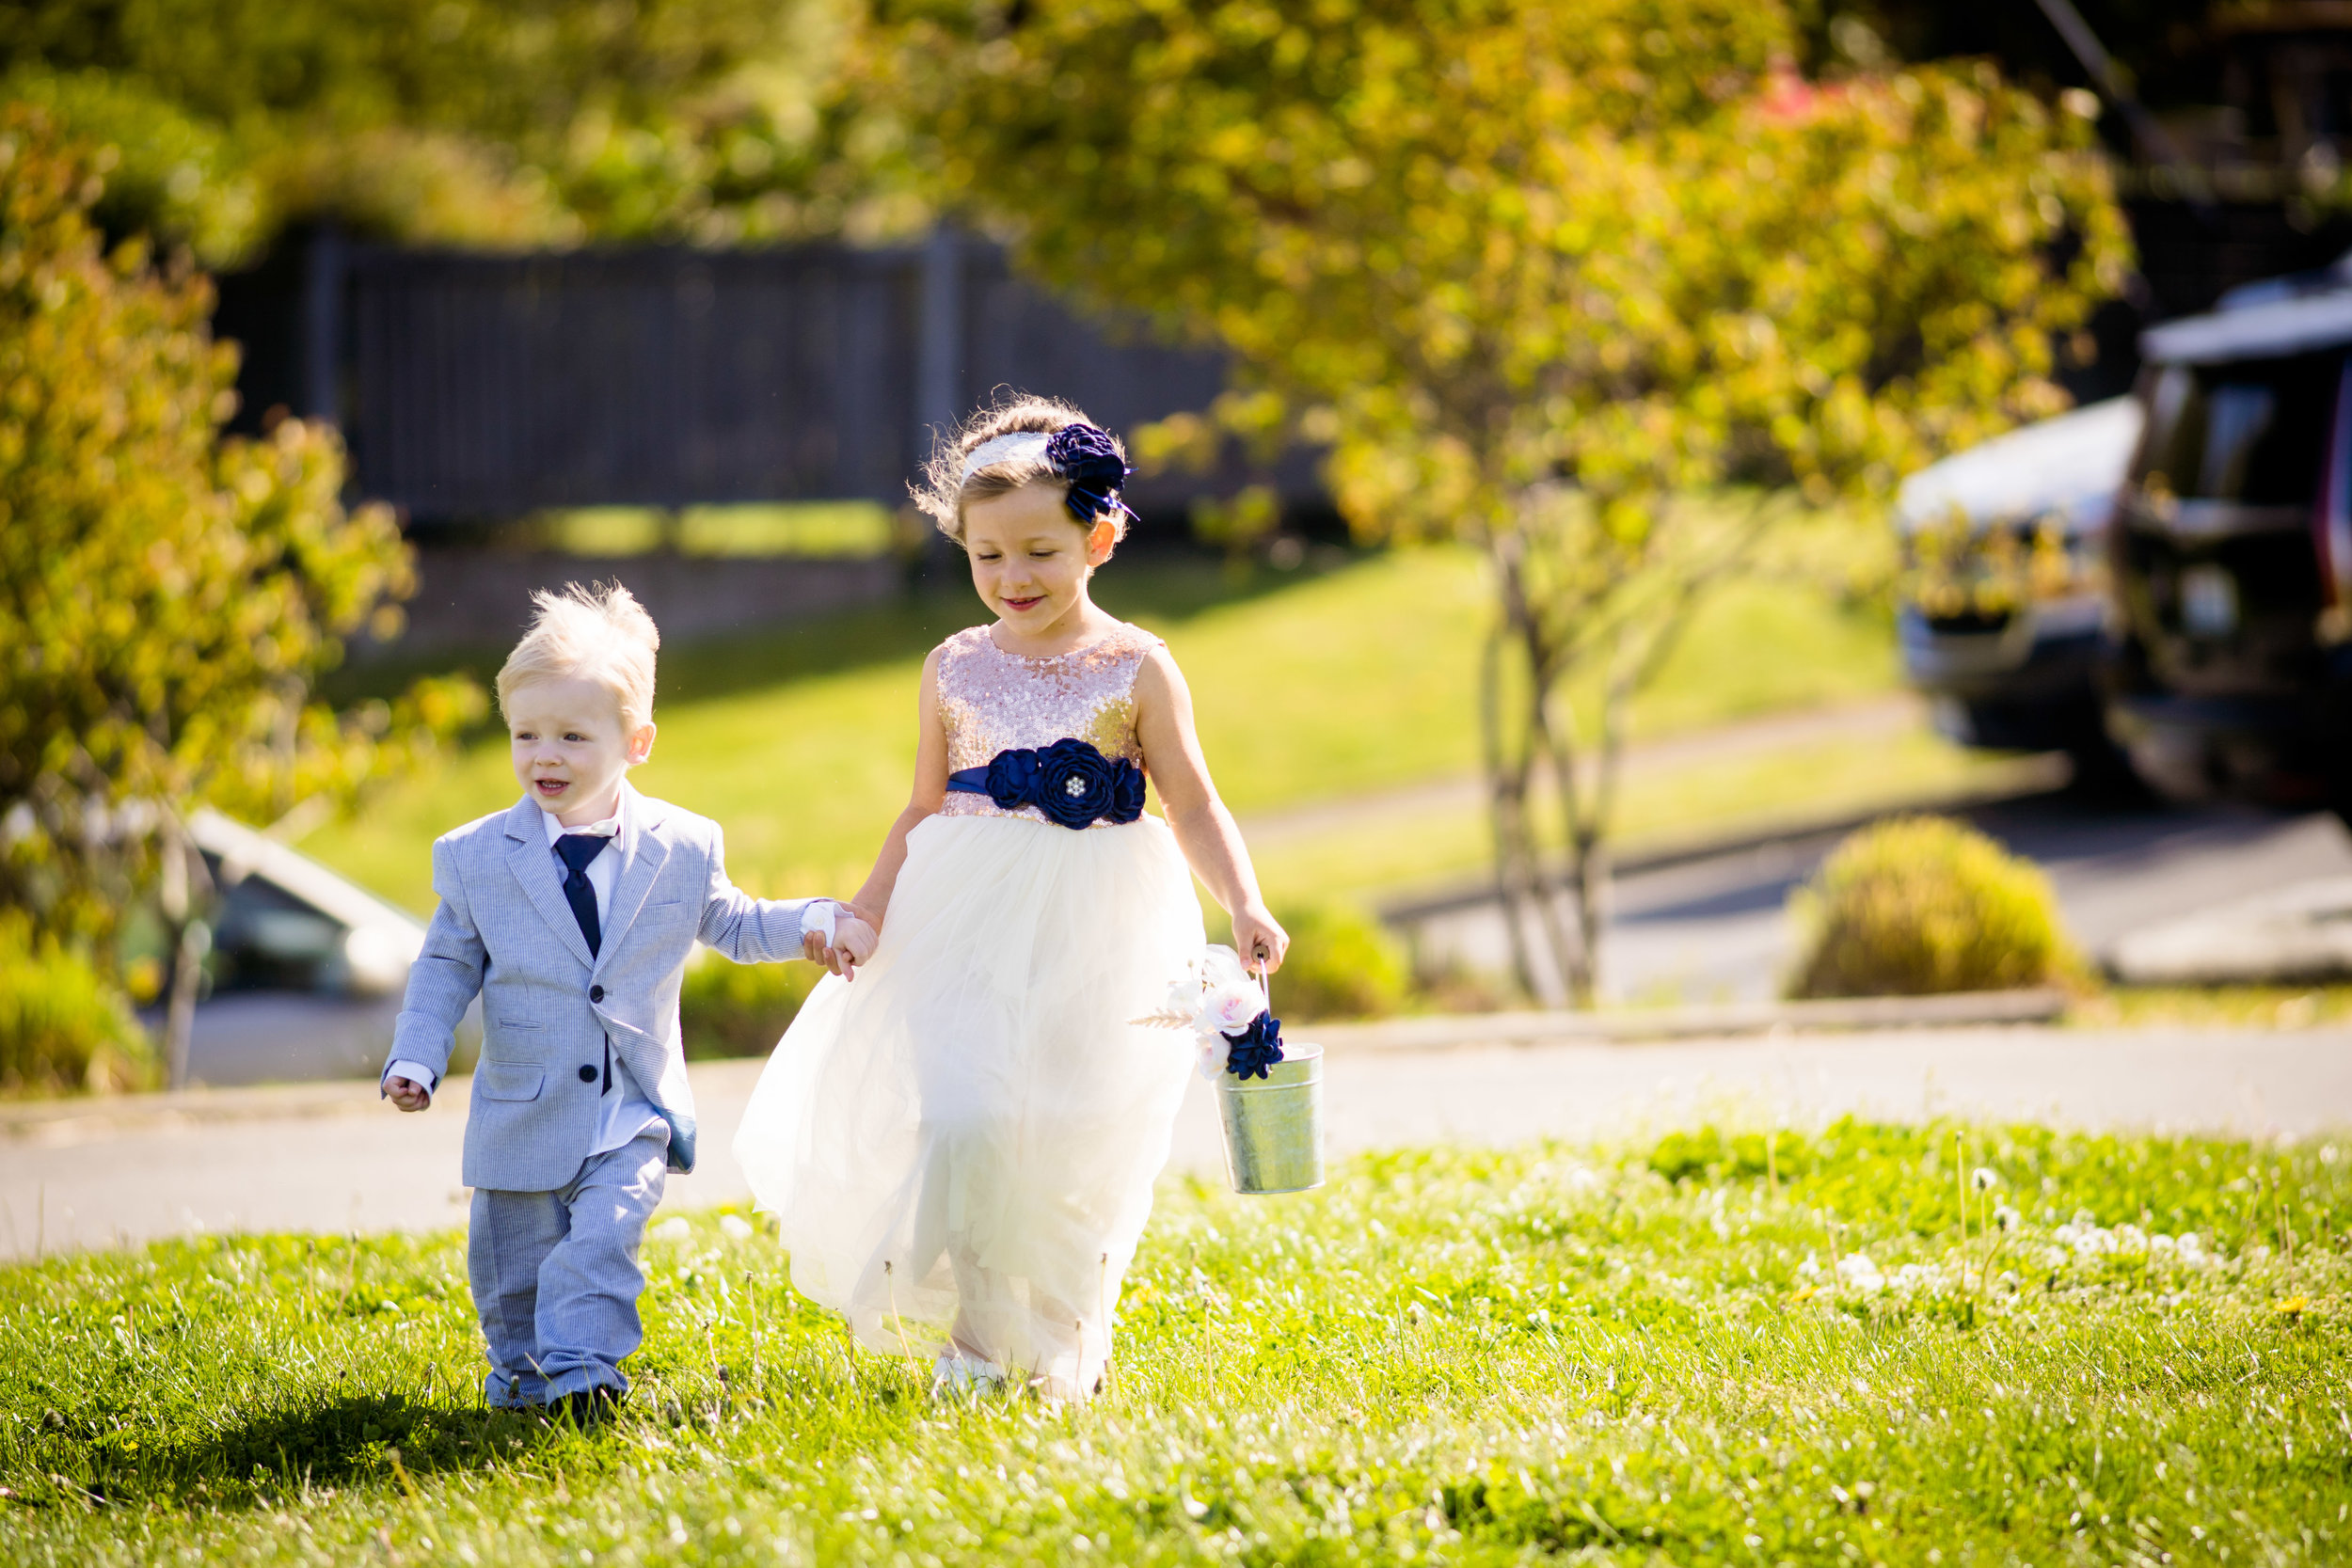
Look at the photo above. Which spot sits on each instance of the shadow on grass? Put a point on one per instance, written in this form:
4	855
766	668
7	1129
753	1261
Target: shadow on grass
1156	585
338	1441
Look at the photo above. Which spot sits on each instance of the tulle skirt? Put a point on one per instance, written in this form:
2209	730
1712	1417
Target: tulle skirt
960	1145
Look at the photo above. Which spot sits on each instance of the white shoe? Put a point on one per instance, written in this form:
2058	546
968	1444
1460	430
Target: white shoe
957	1374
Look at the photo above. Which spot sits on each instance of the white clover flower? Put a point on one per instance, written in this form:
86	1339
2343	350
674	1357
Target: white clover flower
735	1227
674	1229
1810	1268
1858	1270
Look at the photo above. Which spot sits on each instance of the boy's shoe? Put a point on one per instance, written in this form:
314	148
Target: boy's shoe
960	1374
589	1408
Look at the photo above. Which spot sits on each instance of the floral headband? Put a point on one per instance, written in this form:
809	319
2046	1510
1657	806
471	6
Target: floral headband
1080	454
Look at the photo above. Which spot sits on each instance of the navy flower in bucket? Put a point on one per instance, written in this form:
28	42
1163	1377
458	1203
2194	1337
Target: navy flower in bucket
1255	1049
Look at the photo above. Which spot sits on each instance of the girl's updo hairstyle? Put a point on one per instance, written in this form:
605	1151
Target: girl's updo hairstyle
946	492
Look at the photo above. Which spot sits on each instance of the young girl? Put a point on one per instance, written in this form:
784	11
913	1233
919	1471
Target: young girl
959	1138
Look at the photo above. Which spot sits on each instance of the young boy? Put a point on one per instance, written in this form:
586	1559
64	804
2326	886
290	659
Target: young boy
573	914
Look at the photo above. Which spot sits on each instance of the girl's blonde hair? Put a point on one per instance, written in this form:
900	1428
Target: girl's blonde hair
945	492
600	634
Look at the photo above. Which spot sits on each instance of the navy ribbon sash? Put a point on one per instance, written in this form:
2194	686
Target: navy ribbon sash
1070	781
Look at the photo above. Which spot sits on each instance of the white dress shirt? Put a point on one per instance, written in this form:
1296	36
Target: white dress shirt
626	1111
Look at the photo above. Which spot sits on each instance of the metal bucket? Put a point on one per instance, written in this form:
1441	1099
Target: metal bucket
1274	1125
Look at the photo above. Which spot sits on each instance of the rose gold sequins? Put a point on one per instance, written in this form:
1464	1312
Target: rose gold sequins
991	702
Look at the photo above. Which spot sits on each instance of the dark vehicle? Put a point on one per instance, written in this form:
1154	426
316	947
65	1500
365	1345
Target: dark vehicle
2232	556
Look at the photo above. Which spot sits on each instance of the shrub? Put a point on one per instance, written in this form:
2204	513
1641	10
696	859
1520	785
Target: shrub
63	1029
731	1009
1920	904
1342	964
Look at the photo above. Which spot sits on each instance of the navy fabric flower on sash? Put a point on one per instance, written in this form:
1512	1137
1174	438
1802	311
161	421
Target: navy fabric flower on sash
1256	1048
1085	456
1073	784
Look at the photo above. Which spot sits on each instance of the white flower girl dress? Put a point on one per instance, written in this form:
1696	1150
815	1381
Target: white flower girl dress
960	1144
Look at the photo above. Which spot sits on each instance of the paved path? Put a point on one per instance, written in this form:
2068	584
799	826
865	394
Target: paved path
329	1157
1712	930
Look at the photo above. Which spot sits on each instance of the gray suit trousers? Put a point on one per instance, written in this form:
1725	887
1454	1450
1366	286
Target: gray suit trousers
555	1275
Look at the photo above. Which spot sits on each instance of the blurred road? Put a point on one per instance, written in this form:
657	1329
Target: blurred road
331	1158
1712	930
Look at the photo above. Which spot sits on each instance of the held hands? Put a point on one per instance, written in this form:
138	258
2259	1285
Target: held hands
853	940
1259	940
406	1094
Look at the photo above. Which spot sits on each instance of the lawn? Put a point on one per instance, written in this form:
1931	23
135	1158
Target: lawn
1351	677
1834	1346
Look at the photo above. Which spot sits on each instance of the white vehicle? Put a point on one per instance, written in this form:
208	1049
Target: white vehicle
306	966
2023	678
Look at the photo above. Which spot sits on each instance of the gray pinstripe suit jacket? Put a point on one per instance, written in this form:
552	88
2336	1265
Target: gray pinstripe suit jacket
503	929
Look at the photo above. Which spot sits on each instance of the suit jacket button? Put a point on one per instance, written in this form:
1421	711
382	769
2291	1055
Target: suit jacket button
587	1074
595	994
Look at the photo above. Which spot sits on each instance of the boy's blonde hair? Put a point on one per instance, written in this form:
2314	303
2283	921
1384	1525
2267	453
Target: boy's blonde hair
600	634
946	492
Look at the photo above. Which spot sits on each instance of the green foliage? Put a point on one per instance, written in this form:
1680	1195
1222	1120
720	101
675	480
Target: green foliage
1468	1356
1342	963
1921	905
166	598
715	121
168	174
64	1028
731	1009
1615	244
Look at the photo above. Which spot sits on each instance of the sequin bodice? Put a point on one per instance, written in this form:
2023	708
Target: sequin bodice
991	702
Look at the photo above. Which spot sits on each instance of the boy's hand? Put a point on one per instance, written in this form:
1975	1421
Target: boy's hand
406	1094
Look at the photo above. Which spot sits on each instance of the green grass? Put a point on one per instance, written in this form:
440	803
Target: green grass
2213	1008
1353	676
1665	1353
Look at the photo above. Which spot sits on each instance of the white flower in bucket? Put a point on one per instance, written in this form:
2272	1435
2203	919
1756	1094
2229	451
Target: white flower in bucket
1273	1126
1215	997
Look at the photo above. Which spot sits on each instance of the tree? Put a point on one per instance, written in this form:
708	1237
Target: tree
1554	279
167	597
710	120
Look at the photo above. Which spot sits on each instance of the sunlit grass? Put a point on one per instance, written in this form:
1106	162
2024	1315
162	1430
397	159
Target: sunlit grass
817	529
1839	1346
2213	1008
1312	685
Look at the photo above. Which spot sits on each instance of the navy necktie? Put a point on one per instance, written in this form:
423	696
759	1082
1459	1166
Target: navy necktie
576	850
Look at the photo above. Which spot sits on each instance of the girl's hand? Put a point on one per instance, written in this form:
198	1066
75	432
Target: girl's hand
853	940
407	1095
853	943
1259	940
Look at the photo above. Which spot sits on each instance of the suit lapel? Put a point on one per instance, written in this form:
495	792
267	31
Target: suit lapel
533	866
642	850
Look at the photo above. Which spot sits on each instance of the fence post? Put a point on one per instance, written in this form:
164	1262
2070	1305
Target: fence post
323	327
938	367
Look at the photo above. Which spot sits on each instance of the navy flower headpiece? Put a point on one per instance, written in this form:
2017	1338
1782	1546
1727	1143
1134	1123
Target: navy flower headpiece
1090	460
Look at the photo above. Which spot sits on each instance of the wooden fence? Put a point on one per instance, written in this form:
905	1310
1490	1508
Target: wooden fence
486	386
